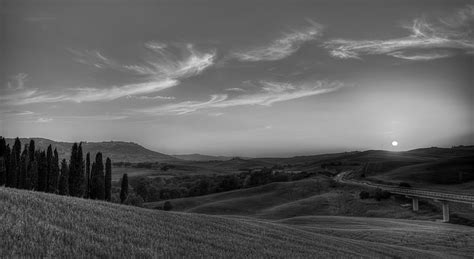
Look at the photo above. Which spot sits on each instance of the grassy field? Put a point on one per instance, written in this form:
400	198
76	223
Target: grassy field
309	197
38	224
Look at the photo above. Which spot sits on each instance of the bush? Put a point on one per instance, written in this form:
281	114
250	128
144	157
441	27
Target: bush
134	200
381	195
167	206
364	195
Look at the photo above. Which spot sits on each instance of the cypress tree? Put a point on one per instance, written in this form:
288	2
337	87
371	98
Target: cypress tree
108	179
3	163
31	150
12	177
98	187
42	171
23	168
88	175
80	172
32	175
49	169
54	177
72	169
76	171
7	161
124	189
64	179
32	171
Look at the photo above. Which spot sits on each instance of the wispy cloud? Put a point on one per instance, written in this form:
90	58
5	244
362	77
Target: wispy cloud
79	95
235	89
160	71
161	62
157	97
35	117
440	39
271	92
16	113
282	47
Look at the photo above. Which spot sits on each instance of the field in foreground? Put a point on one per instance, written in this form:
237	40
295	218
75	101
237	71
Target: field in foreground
48	225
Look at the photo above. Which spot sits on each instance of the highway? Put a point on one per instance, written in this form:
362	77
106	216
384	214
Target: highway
412	192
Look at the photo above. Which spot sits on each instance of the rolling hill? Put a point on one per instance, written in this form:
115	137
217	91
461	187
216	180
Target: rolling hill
118	151
200	157
310	197
47	225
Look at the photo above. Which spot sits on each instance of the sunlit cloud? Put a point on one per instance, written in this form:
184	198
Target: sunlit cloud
160	61
441	39
271	92
422	56
282	47
162	70
163	63
79	95
144	97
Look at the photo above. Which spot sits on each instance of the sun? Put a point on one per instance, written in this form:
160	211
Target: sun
394	143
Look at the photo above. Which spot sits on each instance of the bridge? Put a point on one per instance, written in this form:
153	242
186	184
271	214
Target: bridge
414	193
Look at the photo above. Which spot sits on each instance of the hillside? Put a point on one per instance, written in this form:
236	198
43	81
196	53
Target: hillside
310	197
200	157
118	151
38	224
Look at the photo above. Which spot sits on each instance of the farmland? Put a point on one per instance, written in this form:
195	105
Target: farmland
57	226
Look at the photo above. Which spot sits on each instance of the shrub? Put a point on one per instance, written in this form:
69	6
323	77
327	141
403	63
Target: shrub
167	206
134	200
381	195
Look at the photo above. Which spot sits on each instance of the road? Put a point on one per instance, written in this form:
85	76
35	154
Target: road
430	194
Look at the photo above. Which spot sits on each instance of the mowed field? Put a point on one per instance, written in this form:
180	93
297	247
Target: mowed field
38	224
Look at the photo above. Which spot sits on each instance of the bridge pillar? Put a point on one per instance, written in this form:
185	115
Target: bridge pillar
445	211
415	203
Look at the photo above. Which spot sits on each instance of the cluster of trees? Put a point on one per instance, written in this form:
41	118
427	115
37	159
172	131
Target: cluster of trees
33	169
378	194
187	186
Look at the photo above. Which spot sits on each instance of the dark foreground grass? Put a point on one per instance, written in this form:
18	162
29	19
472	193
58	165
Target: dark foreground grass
46	225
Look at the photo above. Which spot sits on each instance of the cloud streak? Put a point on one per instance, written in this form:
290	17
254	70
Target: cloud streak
160	71
282	47
443	39
271	92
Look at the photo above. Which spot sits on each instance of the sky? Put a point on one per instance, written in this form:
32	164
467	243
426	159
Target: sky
240	78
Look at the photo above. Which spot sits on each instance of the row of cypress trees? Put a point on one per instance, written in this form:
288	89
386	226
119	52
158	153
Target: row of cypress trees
40	170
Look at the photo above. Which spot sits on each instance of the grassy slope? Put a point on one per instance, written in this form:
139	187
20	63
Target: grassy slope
433	173
48	225
306	197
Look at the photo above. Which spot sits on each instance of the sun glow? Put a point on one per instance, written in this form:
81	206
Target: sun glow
394	143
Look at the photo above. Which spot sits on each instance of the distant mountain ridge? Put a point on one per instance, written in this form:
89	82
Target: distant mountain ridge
201	157
118	151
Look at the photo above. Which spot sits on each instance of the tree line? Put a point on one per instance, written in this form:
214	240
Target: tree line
158	188
40	170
